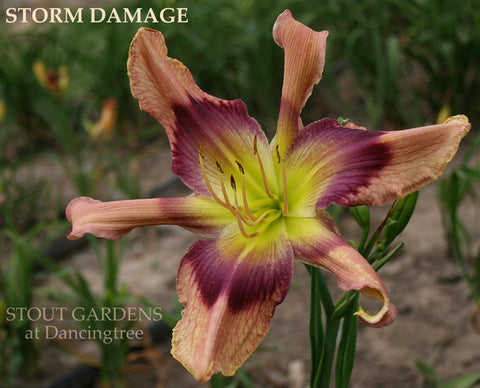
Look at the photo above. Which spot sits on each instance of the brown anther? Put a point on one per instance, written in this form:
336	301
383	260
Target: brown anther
240	167
255	145
232	182
219	167
278	154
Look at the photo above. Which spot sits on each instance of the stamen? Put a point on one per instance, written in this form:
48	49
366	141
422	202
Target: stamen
243	232
263	216
207	182
233	209
245	202
264	177
244	192
262	228
279	159
234	187
227	200
284	182
240	167
199	147
285	192
219	167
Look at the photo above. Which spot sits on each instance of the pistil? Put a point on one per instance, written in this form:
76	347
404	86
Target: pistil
259	213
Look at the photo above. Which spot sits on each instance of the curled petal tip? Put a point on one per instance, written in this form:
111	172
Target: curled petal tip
78	212
73	211
387	313
384	317
460	119
457	118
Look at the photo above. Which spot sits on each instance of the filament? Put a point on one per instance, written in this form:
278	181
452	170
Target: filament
243	232
264	177
244	192
207	182
259	213
285	192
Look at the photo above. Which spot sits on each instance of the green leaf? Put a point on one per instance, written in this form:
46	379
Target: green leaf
361	215
466	381
347	347
428	372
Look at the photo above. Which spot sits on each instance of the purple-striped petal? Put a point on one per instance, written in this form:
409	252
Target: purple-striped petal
115	219
195	121
315	242
347	166
304	62
229	287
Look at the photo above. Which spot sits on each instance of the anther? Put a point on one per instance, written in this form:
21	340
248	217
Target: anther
279	159
207	182
232	183
255	145
240	167
219	167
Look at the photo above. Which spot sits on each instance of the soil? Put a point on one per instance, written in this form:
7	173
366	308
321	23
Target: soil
424	283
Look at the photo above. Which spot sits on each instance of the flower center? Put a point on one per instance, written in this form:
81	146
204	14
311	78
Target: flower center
254	216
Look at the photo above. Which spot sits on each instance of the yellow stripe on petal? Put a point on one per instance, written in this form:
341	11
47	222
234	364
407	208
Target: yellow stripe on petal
115	219
304	61
328	164
195	121
229	287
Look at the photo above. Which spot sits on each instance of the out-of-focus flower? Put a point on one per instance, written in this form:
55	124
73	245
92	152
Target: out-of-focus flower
40	73
56	81
444	114
2	110
108	118
3	198
261	204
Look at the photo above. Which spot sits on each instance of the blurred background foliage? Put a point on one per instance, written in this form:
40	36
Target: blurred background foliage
64	94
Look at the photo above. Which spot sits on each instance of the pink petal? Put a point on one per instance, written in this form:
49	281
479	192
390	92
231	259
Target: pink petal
115	219
304	62
229	287
315	242
193	119
348	166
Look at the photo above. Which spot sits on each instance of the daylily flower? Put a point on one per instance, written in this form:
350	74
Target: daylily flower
106	123
261	205
56	81
2	110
